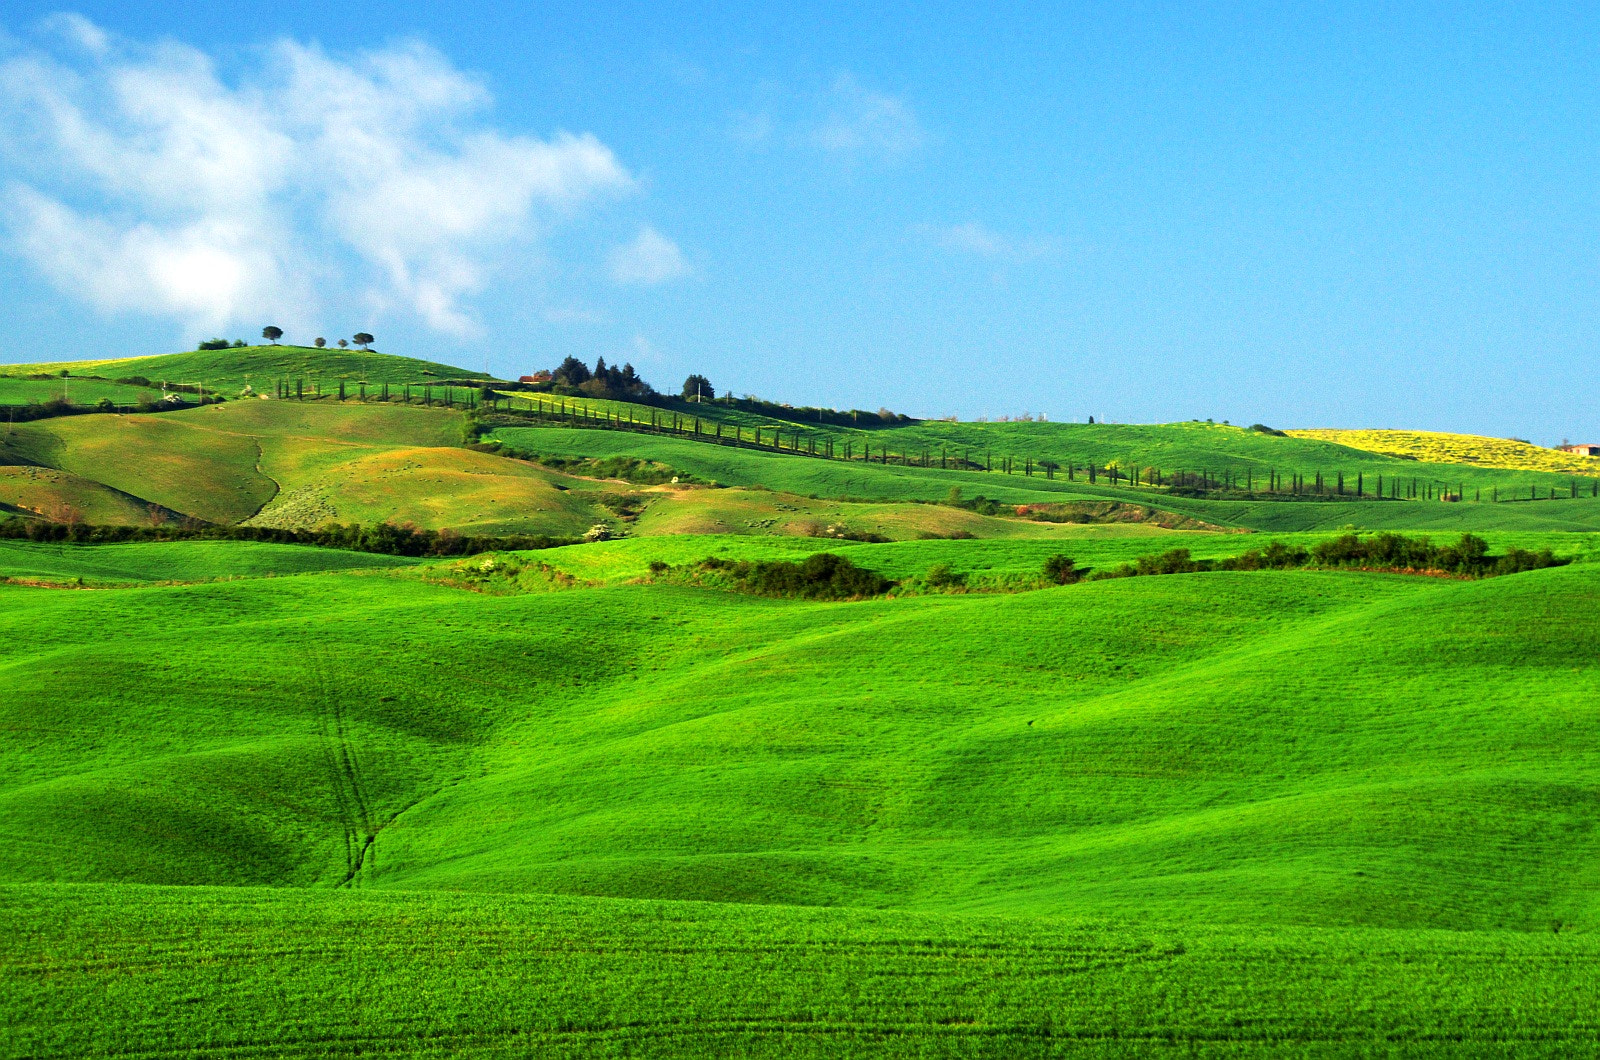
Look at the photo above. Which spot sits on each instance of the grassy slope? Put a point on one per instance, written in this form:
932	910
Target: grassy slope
673	512
998	560
159	972
65	497
180	561
1434	447
1112	767
1218	747
16	391
259	366
1170	446
172	459
828	478
296	464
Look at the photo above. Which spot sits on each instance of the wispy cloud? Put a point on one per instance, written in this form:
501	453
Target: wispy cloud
984	242
863	123
147	181
651	258
844	120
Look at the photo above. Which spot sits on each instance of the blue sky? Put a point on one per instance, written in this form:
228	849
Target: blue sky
1375	216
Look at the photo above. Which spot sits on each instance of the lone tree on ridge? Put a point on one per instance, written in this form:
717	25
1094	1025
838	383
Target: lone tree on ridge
362	339
319	342
272	334
698	388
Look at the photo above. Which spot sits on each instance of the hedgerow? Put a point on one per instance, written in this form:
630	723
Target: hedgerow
384	539
1467	558
821	576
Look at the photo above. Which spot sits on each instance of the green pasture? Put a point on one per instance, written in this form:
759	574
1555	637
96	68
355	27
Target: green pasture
1304	813
996	562
175	561
1310	748
264	800
259	367
17	390
808	476
285	463
116	971
1192	447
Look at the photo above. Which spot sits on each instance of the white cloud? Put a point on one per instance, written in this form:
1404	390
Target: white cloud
984	242
867	124
151	183
649	259
77	30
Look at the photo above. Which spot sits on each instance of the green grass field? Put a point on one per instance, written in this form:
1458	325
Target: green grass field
176	561
267	800
1171	447
1362	801
259	367
831	478
182	971
15	390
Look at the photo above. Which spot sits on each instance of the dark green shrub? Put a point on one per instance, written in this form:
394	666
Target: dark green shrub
822	576
1062	570
941	576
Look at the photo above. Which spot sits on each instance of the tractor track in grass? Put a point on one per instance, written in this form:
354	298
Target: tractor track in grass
342	762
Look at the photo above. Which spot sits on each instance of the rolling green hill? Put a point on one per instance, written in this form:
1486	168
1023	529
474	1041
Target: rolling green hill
1173	447
1363	801
138	563
263	799
1180	705
228	371
808	476
312	462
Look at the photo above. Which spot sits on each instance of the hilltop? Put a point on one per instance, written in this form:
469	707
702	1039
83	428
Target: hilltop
229	370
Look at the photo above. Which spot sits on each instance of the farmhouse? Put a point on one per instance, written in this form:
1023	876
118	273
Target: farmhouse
1581	450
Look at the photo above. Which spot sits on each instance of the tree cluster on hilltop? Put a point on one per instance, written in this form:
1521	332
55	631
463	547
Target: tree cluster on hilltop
272	333
572	376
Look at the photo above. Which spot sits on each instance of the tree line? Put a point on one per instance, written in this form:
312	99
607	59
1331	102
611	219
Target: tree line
384	539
